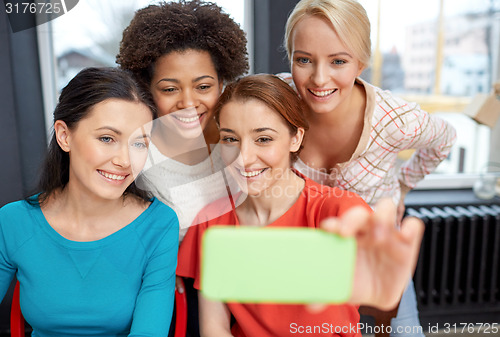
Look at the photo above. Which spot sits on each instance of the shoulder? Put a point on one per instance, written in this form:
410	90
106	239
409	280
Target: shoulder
157	221
18	210
158	211
18	221
157	229
388	103
221	211
396	117
325	201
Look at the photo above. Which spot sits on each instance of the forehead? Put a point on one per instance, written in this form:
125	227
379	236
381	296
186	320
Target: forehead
250	114
185	63
123	115
315	31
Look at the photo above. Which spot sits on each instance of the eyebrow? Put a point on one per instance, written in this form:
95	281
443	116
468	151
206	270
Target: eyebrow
118	132
331	55
110	128
193	81
258	130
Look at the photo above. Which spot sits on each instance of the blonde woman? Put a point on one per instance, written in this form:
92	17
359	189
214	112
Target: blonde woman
356	129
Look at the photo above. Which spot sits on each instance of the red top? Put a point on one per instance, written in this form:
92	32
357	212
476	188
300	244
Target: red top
315	203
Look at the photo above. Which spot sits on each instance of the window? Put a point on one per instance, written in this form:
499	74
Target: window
470	31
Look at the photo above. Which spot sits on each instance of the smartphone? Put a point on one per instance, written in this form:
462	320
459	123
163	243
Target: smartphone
276	265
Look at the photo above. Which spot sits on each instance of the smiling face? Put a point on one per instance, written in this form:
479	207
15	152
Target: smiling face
107	148
256	145
185	86
323	69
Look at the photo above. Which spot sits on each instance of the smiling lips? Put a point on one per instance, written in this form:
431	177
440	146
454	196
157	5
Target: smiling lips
188	119
250	174
115	177
322	93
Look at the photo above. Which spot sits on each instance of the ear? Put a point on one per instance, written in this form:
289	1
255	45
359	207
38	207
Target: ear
360	70
62	134
297	140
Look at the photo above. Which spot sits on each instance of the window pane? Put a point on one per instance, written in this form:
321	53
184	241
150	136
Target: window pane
441	62
89	34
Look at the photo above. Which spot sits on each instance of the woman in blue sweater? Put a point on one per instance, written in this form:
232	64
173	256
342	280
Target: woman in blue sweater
94	255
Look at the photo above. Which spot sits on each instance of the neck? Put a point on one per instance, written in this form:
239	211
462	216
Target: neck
79	216
85	207
266	207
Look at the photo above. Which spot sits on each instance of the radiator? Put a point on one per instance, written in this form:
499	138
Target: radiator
459	262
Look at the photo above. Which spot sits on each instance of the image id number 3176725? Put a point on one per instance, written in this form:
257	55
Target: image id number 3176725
464	328
33	8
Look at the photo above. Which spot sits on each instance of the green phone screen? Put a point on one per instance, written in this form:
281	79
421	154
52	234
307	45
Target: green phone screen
276	265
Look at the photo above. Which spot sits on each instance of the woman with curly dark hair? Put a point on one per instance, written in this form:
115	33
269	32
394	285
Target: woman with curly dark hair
183	53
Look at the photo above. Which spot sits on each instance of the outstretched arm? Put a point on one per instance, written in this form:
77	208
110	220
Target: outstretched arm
386	256
215	318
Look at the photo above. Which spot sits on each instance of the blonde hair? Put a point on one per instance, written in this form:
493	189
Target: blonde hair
348	18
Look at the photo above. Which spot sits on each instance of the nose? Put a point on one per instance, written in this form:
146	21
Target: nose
247	153
187	99
319	75
122	157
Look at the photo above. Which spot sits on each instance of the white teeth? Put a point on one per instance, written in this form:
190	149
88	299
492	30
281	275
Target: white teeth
188	120
322	93
112	176
251	174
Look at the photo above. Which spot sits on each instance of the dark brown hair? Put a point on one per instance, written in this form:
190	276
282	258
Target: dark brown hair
273	92
88	88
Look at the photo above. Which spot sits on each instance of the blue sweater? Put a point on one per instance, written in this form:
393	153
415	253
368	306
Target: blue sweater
121	285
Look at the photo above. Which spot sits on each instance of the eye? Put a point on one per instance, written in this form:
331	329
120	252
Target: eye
339	62
140	145
168	90
204	87
228	139
264	140
106	139
302	60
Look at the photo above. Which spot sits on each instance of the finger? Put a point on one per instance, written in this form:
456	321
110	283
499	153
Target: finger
316	308
412	231
385	213
331	225
179	285
354	221
400	213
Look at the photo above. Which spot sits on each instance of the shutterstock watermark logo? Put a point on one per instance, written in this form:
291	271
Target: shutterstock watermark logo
25	14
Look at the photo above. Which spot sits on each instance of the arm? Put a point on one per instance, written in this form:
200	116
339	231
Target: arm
385	256
432	138
401	206
7	270
215	318
155	301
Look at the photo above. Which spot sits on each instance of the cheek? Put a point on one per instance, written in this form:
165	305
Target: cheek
137	160
299	79
210	102
229	154
164	106
346	77
81	156
277	155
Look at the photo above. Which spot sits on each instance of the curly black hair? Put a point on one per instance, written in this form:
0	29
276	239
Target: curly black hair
177	26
